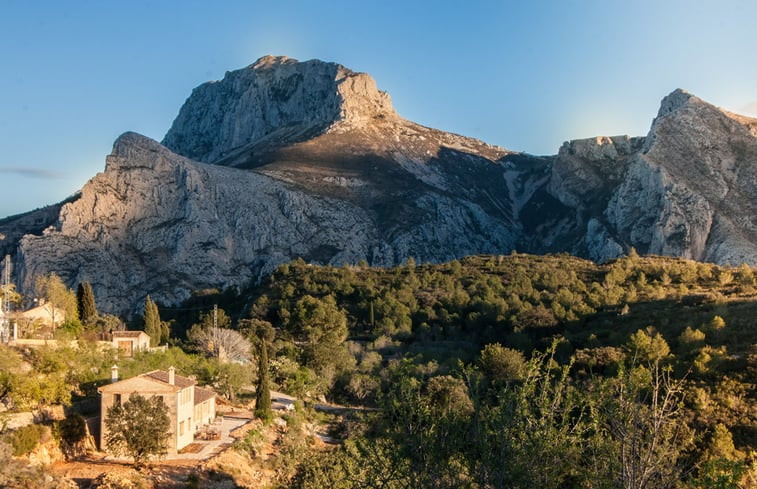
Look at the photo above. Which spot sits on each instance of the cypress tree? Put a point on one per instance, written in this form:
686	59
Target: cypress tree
85	301
263	389
152	324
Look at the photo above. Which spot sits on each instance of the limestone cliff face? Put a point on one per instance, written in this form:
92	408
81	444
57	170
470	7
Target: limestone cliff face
284	159
277	100
688	189
707	160
155	222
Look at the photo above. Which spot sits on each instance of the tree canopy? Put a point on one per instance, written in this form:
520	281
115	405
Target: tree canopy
218	339
138	428
263	387
85	300
52	288
152	325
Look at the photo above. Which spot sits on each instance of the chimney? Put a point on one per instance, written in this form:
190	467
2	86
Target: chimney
114	373
171	375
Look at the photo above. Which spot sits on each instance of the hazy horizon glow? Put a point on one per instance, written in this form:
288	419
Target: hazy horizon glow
523	75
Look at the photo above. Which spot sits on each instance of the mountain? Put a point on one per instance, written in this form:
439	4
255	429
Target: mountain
284	159
687	189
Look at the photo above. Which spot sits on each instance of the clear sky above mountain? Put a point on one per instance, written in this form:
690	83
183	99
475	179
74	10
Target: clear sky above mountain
523	75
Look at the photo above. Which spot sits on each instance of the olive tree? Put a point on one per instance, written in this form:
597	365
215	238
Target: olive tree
138	428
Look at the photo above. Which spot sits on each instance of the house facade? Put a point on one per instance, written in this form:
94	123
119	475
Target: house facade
205	407
45	313
189	407
130	342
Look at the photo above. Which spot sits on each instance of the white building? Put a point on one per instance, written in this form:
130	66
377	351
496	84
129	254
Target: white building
130	342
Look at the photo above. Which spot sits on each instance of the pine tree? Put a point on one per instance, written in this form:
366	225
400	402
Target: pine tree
152	324
263	389
85	300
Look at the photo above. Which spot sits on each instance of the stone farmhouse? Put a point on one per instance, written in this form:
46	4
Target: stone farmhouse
189	407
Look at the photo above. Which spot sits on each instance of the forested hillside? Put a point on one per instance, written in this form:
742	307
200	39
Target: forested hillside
491	371
636	373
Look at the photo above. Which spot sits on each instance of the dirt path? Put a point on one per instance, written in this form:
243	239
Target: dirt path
167	474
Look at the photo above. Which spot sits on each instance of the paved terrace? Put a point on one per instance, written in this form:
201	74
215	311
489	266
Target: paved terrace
229	422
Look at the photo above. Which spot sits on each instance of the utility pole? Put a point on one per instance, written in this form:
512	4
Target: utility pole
216	346
5	326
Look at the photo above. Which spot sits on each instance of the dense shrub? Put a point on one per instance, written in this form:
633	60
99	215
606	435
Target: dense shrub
73	429
25	439
71	433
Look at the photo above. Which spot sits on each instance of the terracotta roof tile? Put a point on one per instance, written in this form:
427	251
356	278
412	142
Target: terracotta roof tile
202	395
162	376
128	334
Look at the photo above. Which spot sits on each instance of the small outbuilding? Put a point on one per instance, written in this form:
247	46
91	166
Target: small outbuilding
131	342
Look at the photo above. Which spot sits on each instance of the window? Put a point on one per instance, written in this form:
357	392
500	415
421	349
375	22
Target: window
181	428
117	399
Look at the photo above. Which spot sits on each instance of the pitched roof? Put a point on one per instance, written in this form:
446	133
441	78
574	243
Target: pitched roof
140	384
178	380
129	334
45	311
202	395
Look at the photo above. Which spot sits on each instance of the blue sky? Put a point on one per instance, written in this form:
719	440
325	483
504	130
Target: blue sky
524	75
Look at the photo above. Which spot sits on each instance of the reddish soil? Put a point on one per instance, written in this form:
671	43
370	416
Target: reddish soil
167	474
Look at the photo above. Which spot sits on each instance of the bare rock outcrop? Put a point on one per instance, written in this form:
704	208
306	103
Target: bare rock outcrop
156	222
276	100
692	190
687	189
284	159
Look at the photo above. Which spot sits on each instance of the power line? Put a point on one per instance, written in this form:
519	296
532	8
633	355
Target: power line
199	308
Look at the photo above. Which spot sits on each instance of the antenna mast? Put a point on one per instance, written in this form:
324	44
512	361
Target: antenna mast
4	326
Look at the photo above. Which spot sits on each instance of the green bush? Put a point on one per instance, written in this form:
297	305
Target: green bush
72	327
25	439
502	364
251	443
72	429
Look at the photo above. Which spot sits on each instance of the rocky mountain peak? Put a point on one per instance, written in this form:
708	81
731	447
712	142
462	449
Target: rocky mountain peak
674	101
309	159
270	61
681	111
128	142
132	151
273	102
